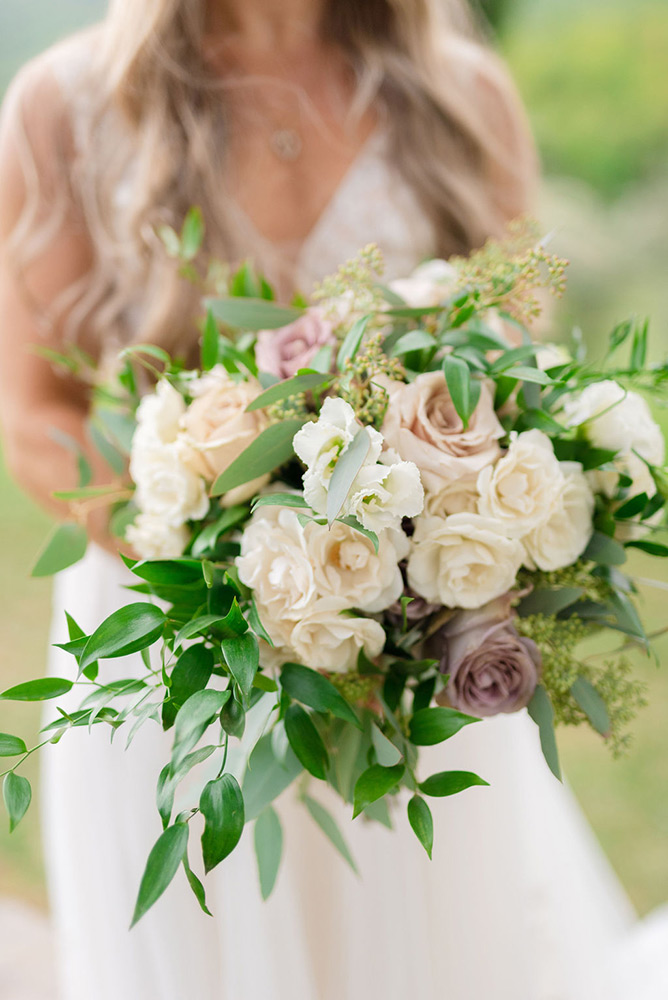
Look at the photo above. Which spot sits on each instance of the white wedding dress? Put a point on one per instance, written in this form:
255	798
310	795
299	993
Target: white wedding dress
519	902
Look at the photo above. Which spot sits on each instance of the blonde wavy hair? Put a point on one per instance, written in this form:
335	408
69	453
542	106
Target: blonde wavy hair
157	113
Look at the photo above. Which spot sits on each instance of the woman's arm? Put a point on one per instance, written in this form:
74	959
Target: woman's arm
34	399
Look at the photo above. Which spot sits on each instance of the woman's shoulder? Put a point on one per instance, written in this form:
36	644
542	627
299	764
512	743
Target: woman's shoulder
49	91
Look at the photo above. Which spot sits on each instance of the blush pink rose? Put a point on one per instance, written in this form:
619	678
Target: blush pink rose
284	351
423	426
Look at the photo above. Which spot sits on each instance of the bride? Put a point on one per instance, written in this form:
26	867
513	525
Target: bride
304	130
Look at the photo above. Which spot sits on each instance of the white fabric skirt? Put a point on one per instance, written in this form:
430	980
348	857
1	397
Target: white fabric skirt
519	902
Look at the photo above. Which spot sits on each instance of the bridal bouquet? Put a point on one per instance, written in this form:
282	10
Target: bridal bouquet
364	523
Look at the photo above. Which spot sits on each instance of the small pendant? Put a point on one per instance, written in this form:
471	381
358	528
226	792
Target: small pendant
286	143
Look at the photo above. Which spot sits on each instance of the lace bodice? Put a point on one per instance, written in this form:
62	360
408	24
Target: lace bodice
372	203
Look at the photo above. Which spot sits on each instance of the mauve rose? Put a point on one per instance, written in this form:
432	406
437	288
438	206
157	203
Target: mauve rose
492	668
284	351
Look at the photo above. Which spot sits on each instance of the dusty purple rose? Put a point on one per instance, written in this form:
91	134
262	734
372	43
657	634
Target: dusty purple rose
492	668
284	351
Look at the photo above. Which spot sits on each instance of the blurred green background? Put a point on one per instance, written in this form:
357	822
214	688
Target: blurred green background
593	77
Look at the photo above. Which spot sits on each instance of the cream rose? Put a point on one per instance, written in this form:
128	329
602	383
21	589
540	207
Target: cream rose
166	487
456	498
328	637
616	420
564	536
430	284
346	565
275	563
522	489
422	425
216	429
463	561
153	538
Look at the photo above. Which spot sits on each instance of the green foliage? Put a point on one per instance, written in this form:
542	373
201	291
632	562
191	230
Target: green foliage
435	725
65	546
420	818
268	839
161	867
17	794
222	806
593	79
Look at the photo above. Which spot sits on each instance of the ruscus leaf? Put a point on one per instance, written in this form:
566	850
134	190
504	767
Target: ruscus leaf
268	839
222	805
161	867
420	819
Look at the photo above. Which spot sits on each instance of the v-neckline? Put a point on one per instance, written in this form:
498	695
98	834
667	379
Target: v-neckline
298	247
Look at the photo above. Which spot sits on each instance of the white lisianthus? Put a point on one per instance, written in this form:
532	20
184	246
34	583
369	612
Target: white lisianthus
463	561
382	495
321	442
616	420
564	536
275	563
166	486
429	284
159	416
384	490
456	497
346	565
328	637
153	538
523	487
552	355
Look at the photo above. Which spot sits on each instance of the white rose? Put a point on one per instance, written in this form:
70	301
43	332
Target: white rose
429	284
346	565
562	539
275	563
327	637
152	538
166	486
159	416
382	495
523	487
455	498
463	561
615	420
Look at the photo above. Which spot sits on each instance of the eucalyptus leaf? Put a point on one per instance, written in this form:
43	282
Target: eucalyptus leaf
541	711
17	794
268	840
271	449
193	719
387	754
43	689
210	337
290	387
65	546
592	705
420	819
196	886
306	741
434	725
329	827
267	776
252	314
314	690
242	656
128	630
222	805
161	867
374	783
348	465
450	783
351	342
